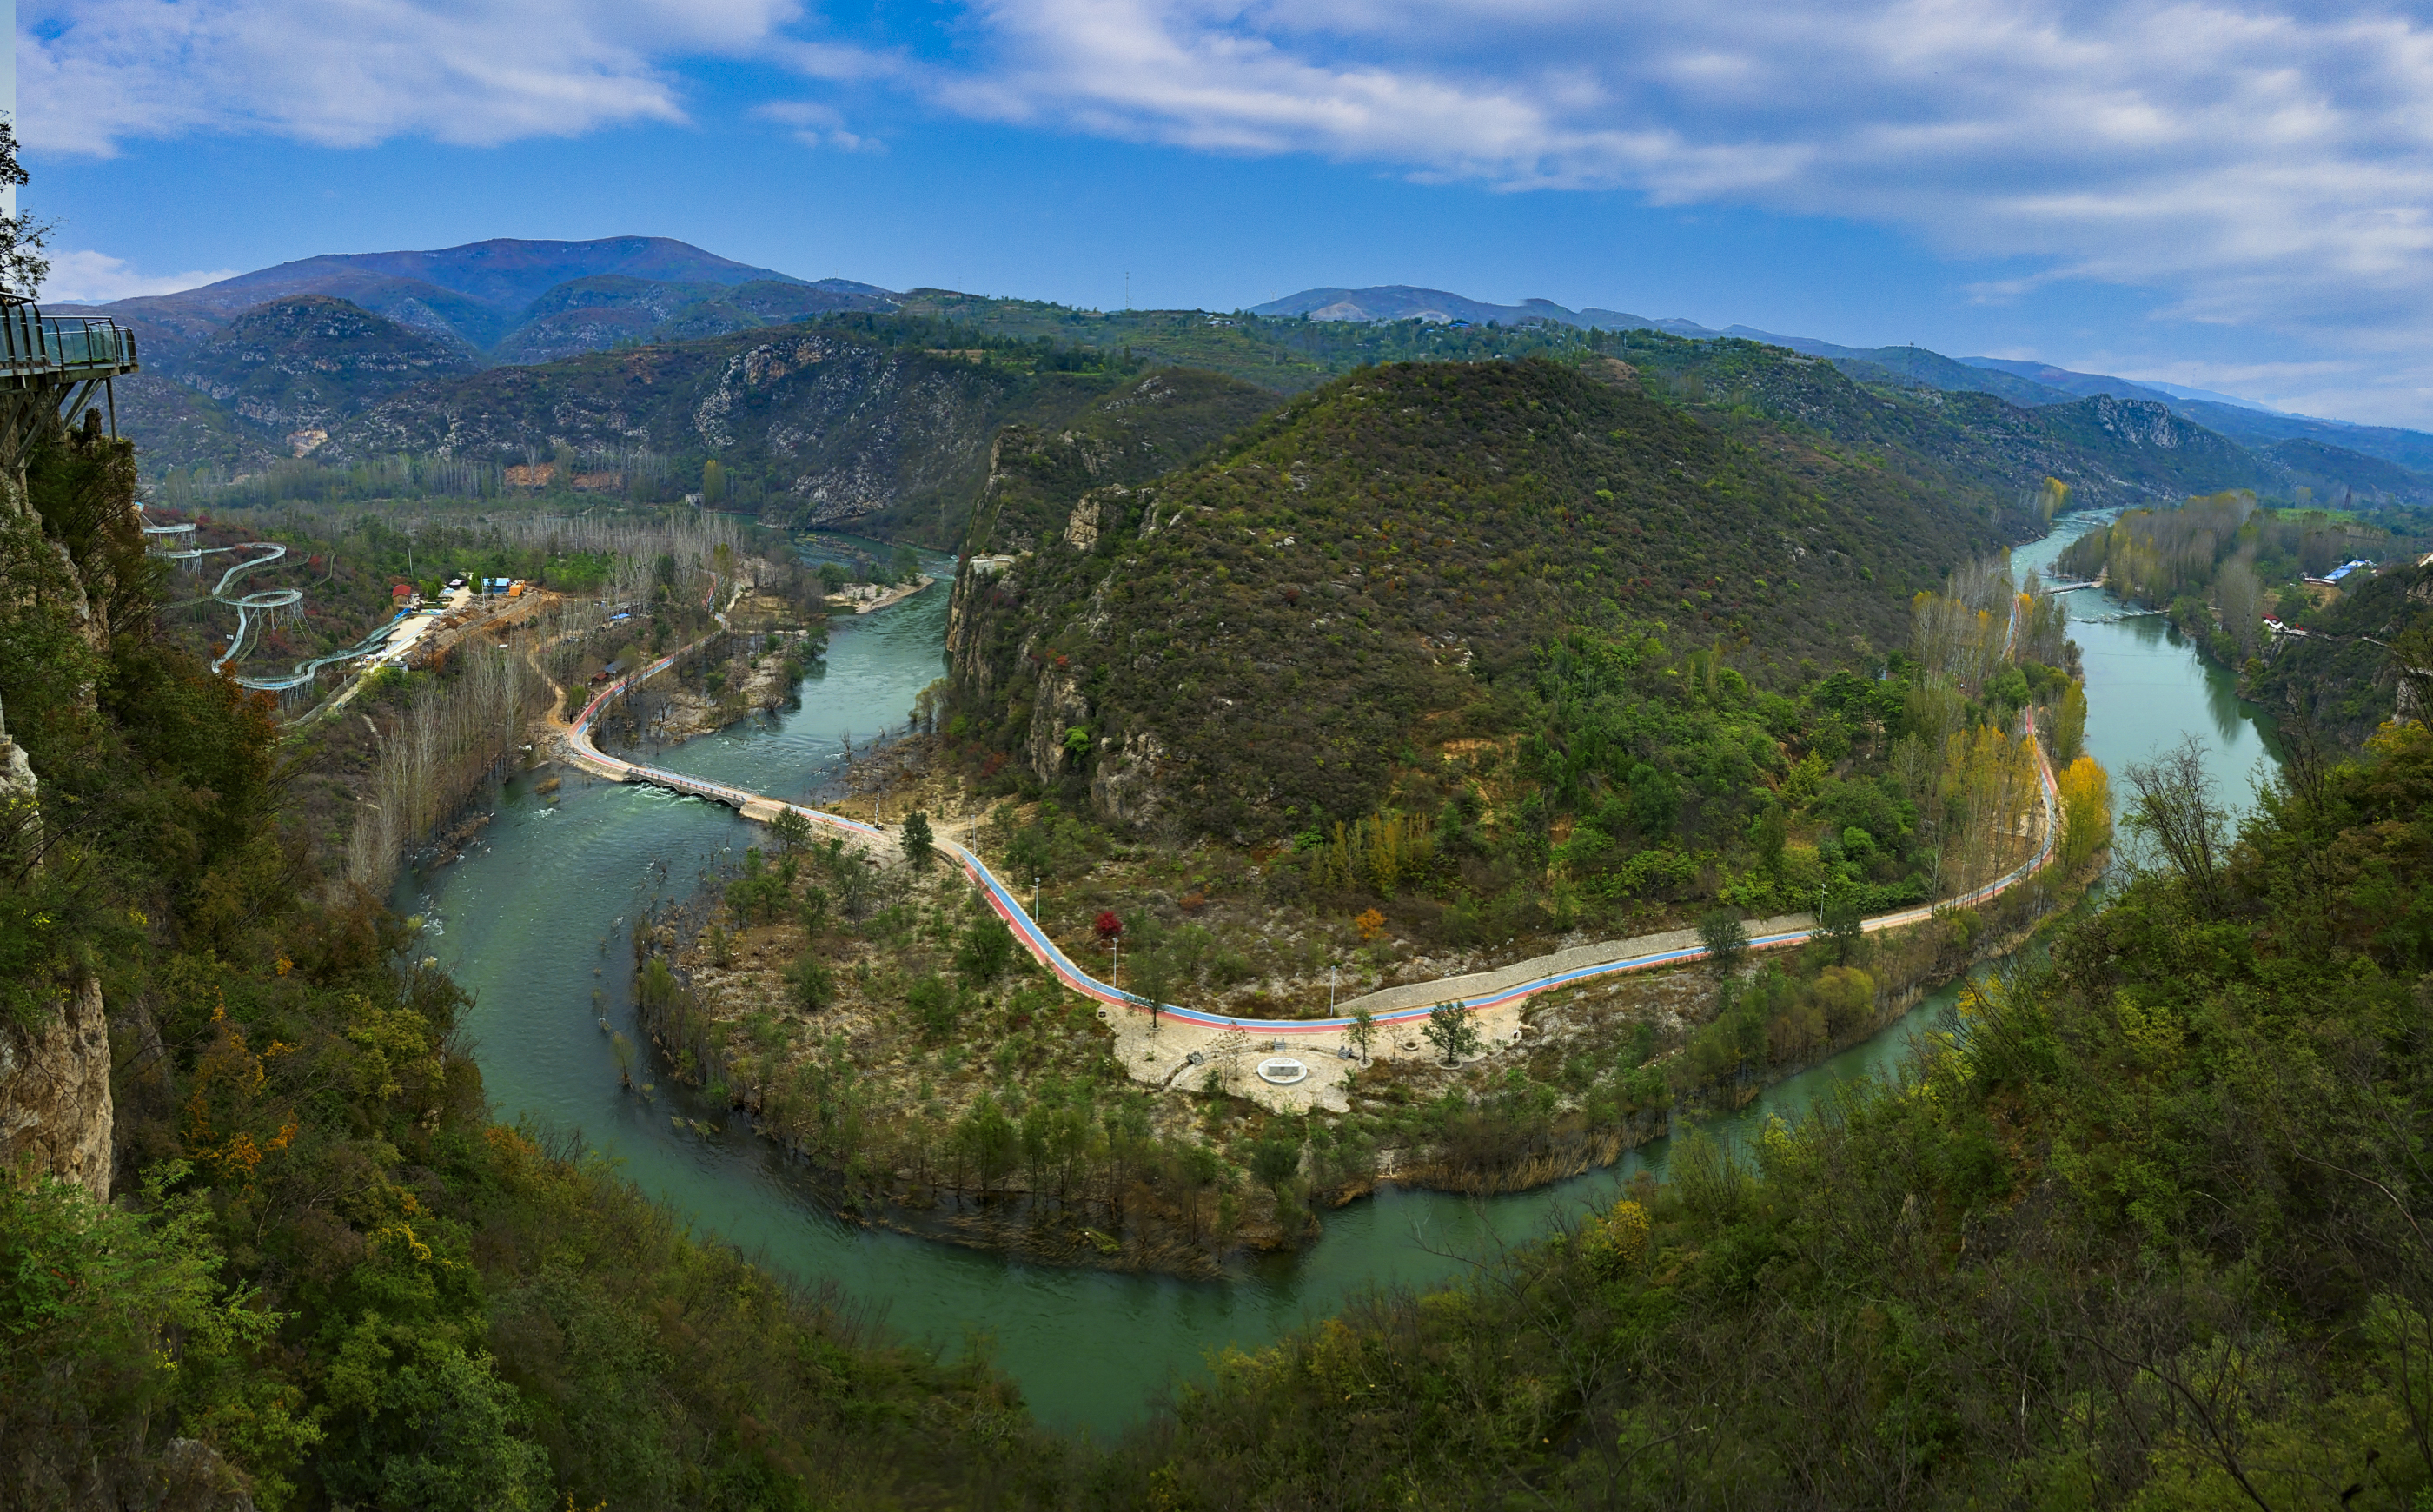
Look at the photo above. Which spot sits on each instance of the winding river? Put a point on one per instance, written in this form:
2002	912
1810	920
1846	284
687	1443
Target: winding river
534	923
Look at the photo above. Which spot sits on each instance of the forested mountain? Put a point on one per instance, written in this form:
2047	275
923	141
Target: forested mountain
875	424
510	302
211	391
1260	638
311	360
887	418
2021	382
235	378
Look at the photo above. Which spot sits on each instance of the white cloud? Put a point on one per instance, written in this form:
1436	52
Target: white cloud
2260	164
349	73
817	125
96	278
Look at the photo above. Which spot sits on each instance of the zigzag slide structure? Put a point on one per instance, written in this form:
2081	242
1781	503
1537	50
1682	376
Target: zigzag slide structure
173	542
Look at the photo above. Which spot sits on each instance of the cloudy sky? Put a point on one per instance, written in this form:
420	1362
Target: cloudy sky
2236	196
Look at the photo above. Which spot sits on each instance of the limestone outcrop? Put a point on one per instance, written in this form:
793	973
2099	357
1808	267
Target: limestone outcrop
55	1107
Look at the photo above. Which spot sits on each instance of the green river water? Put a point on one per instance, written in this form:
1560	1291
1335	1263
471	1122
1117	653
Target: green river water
534	923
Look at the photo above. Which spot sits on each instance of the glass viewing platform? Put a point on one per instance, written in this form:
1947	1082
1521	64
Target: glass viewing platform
46	351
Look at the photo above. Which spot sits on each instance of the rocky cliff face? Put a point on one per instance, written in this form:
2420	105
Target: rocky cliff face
56	1115
55	1107
1051	494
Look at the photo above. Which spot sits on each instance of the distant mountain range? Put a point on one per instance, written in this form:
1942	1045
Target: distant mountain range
870	403
2327	444
514	300
265	361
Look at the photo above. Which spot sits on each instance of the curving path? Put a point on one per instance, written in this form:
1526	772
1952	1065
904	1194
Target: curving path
586	755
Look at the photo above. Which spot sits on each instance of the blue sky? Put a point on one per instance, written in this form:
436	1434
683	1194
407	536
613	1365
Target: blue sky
2232	198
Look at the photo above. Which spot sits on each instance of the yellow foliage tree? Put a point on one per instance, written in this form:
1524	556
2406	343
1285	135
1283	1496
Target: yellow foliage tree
2086	811
1617	1243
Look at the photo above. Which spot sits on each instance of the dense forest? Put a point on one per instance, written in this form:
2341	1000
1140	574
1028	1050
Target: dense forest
1256	642
2137	1228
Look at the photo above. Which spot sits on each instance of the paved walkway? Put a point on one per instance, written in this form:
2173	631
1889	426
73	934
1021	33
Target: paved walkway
1480	992
1492	985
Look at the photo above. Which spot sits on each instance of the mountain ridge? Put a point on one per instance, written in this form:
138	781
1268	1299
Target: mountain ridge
484	296
2020	380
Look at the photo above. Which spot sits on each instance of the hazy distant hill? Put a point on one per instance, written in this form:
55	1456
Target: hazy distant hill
1918	368
2020	382
2330	471
485	302
1399	301
477	292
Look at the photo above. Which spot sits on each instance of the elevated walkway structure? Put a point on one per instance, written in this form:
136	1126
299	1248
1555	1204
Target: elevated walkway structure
51	366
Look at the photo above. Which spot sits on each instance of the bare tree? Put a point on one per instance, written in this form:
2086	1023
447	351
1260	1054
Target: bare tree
433	756
2174	808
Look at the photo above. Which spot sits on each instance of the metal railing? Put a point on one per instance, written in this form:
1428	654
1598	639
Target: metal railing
35	347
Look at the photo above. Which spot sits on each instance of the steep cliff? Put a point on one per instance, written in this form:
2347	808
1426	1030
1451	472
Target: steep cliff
1056	484
75	576
56	1115
55	1103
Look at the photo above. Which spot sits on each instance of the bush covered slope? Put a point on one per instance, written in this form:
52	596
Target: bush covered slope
2141	1230
882	423
2356	664
1261	637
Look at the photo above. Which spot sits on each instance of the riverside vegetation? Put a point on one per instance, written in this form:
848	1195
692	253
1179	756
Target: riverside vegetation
1553	772
2140	1230
2218	565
